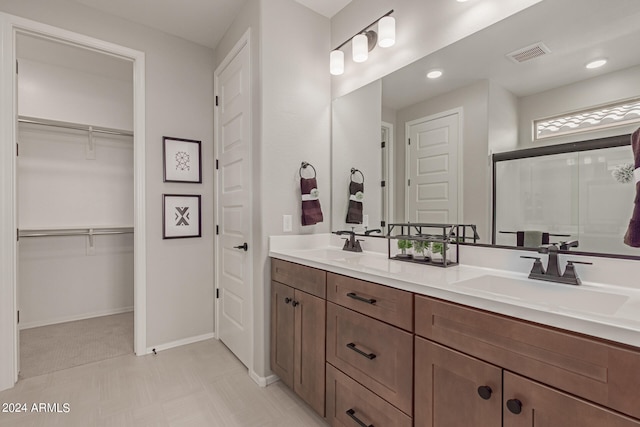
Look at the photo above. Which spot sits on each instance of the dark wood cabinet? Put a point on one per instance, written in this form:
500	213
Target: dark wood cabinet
298	322
531	404
453	389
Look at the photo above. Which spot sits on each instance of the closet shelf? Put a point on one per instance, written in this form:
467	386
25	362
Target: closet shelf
73	231
76	126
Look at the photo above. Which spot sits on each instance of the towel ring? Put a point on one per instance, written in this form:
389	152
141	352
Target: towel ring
354	171
304	166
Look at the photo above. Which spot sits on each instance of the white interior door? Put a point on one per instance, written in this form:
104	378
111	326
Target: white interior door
234	245
432	169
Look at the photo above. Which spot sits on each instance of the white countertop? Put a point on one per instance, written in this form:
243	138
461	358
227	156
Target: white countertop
604	311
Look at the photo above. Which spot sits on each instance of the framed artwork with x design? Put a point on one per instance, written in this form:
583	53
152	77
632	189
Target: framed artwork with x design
181	216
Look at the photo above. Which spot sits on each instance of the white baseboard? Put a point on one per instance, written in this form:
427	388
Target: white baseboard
64	319
263	381
181	342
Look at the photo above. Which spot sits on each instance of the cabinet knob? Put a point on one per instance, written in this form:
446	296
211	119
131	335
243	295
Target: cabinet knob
514	406
294	303
485	392
287	300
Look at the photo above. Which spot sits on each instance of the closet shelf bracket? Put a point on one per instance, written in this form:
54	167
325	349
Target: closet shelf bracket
90	151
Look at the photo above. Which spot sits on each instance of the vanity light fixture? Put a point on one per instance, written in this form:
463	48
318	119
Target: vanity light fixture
364	41
434	74
596	64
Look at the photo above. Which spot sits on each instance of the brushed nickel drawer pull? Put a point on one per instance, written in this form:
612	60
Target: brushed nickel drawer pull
359	298
352	414
353	347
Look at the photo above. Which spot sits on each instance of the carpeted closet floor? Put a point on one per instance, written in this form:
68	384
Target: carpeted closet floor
56	347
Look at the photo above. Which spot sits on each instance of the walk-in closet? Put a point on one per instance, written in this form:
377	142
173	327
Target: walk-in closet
75	203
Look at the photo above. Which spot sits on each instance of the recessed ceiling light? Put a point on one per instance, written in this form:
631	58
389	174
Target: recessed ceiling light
434	74
596	64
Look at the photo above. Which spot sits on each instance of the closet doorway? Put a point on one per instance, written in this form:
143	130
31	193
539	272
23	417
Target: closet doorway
75	205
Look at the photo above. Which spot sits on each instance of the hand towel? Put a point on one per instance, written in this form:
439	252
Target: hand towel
632	236
311	210
531	238
356	195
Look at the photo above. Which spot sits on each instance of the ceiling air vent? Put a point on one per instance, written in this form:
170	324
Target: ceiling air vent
527	53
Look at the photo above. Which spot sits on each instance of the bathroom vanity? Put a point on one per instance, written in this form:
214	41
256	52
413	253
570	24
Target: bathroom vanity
407	345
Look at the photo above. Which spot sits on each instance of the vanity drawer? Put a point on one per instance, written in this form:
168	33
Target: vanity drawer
307	279
375	354
347	401
590	368
381	302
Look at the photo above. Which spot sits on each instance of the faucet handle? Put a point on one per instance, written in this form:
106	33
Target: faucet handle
538	268
570	272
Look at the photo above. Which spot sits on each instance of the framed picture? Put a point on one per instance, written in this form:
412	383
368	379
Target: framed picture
182	160
180	216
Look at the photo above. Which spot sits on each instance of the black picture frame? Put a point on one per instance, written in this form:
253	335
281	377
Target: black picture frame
178	211
181	160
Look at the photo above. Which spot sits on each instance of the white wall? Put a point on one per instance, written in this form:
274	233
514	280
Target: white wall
67	94
291	124
422	27
476	181
179	103
604	89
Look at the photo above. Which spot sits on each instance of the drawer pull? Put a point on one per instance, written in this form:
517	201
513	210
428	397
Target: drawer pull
485	392
514	406
359	298
353	347
294	303
352	414
287	300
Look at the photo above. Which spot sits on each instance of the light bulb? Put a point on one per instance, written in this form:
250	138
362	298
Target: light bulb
360	46
336	62
386	31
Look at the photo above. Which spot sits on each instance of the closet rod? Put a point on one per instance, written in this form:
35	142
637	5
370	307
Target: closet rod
76	126
76	232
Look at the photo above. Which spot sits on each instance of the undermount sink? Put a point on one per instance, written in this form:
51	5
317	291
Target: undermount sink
558	296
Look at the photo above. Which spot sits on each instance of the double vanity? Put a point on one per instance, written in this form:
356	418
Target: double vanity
369	341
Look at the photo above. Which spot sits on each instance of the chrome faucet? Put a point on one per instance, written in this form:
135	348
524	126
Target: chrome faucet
552	273
351	244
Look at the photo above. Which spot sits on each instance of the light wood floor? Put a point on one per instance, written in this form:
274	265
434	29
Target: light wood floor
200	384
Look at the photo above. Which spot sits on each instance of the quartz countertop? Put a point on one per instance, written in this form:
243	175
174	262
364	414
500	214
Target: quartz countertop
599	310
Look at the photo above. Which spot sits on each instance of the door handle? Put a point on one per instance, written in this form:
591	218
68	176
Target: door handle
244	246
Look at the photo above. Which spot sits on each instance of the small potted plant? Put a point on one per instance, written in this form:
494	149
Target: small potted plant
437	251
419	248
403	245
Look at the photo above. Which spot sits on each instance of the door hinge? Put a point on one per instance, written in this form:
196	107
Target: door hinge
409	182
383	223
17	149
18	317
217	229
217	164
383	184
409	140
16	67
17	234
216	100
217	293
384	144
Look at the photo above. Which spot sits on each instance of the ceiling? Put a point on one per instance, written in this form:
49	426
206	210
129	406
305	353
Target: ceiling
576	32
201	21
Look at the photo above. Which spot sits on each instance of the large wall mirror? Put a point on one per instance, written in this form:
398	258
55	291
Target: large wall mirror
426	145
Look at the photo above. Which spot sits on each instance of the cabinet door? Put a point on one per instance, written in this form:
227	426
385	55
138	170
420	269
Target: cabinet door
528	403
453	389
282	332
309	344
